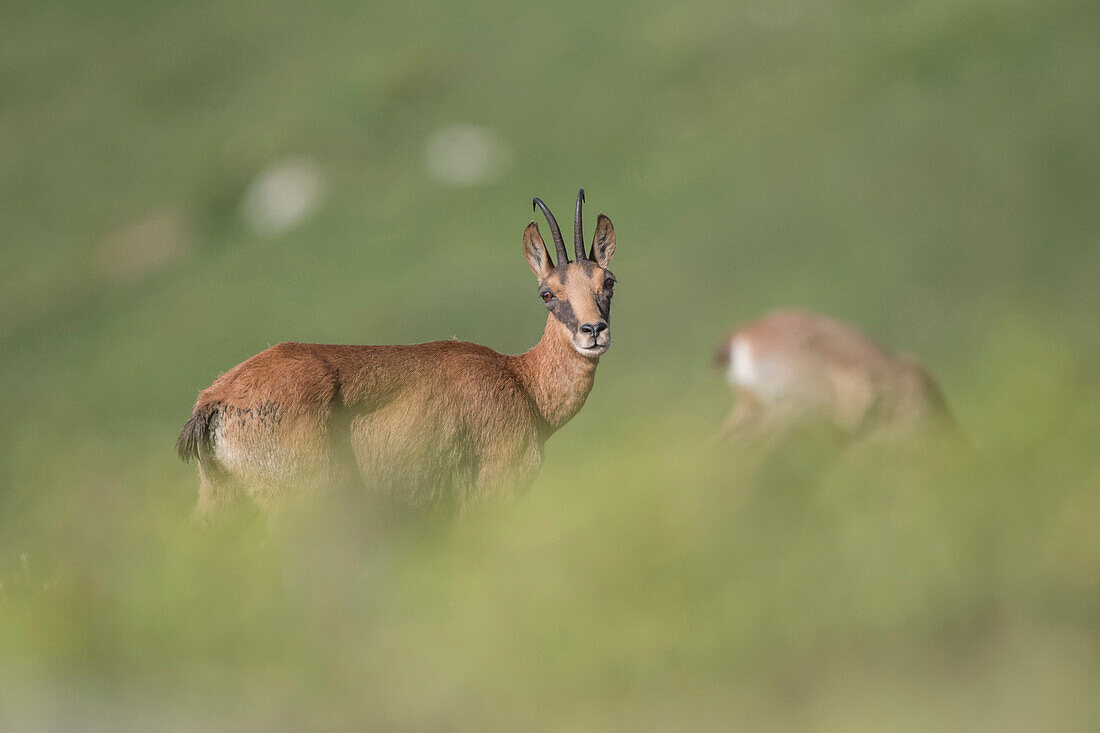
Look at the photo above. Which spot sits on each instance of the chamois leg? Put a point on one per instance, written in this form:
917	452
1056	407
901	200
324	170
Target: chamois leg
744	425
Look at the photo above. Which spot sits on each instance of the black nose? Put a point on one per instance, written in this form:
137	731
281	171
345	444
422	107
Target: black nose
594	328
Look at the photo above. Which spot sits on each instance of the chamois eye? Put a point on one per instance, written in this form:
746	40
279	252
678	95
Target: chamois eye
546	295
608	283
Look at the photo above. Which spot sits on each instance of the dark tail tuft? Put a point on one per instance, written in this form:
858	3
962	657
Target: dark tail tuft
197	439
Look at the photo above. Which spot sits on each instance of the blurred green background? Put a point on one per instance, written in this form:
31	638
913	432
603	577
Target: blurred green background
928	170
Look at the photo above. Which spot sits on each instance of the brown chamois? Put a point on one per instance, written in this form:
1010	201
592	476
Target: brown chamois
790	368
424	425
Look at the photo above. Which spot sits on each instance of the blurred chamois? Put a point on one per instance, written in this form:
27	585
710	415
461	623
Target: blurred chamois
792	368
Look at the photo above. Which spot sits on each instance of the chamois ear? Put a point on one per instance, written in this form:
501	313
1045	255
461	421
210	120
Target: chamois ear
535	251
603	241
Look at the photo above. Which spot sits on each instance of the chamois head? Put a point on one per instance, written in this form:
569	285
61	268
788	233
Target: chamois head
577	293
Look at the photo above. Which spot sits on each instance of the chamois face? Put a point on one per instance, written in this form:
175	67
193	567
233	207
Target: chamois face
579	296
577	293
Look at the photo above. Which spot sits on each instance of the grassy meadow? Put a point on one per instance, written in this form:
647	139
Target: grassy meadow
927	170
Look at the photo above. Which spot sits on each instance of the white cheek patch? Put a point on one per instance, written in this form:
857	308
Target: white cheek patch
742	370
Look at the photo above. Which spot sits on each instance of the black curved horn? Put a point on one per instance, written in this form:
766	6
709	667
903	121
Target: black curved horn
559	243
578	229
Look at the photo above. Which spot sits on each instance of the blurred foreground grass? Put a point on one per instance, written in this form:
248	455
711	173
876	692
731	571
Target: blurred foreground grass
926	170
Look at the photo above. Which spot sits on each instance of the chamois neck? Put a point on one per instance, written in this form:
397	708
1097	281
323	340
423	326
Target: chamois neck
556	376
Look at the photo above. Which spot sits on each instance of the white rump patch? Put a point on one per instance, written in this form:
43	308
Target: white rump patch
743	369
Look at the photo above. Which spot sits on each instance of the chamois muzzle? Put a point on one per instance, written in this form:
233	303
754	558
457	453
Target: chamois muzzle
592	339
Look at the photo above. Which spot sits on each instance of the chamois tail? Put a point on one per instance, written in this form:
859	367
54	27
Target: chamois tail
196	440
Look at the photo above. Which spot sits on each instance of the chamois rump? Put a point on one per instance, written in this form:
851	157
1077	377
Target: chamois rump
426	425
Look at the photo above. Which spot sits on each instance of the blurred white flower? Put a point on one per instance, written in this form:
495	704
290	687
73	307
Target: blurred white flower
465	155
283	196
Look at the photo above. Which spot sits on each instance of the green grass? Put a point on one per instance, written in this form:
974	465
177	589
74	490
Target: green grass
928	171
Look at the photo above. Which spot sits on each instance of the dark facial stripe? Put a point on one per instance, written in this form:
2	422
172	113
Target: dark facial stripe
603	305
564	313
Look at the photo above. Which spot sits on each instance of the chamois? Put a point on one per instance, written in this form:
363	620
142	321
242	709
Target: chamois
792	367
425	425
